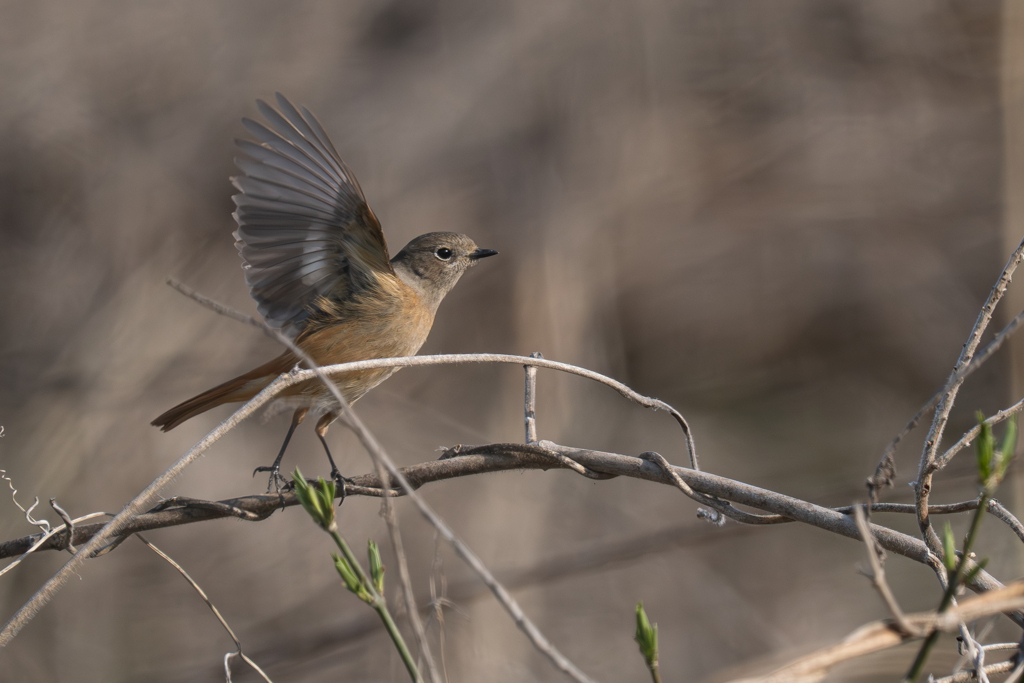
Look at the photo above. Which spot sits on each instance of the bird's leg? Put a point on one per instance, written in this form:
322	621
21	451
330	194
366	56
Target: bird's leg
276	480
321	431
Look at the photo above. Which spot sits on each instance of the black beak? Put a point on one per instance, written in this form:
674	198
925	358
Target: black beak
481	253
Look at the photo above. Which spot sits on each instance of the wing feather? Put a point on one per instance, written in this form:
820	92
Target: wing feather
304	228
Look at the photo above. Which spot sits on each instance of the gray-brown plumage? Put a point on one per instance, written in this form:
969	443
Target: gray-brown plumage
316	262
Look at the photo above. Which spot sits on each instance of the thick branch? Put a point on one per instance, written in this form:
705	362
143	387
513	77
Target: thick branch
465	461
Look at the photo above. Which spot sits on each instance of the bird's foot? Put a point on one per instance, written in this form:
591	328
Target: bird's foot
277	483
339	482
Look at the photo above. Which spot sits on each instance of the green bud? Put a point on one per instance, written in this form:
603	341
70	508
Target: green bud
349	577
376	567
646	636
984	445
949	549
1008	449
317	501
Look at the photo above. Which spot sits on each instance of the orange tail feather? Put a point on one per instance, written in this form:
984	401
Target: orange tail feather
241	388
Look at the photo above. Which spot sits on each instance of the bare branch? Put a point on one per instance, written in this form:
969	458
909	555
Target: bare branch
886	468
502	457
885	471
972	434
922	488
29	544
1001	513
721	507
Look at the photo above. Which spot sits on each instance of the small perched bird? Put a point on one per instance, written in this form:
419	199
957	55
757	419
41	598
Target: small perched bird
316	262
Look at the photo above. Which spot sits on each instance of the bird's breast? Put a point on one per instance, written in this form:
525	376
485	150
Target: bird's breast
383	324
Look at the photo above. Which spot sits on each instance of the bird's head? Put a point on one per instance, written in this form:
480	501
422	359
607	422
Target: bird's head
431	264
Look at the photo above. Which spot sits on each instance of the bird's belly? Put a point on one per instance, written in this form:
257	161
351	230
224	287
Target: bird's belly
345	343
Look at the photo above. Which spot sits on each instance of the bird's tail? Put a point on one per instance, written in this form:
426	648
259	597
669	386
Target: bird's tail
241	388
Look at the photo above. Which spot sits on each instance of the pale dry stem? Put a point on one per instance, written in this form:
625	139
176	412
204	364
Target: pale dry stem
877	574
882	635
216	612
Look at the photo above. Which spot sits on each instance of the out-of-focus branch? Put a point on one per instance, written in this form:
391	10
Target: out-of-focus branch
882	635
971	675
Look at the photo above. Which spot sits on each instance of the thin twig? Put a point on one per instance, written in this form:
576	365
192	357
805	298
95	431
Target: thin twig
69	526
388	512
721	507
1017	670
538	448
996	647
29	544
975	651
996	509
969	675
923	484
113	528
877	574
439	601
202	594
41	523
886	468
972	434
221	508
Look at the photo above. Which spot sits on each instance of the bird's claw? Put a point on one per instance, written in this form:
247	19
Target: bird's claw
339	482
277	483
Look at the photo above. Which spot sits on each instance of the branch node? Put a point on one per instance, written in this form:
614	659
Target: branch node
711	516
69	528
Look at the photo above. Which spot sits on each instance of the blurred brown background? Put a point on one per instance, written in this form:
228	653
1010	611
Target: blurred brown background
781	217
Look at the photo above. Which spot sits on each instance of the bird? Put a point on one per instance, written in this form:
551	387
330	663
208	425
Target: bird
317	264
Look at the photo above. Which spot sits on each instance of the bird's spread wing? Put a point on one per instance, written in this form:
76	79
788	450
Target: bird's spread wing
304	228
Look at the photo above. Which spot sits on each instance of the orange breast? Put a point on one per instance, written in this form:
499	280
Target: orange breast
383	322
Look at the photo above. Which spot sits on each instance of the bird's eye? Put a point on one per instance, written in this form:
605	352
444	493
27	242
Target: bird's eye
444	253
